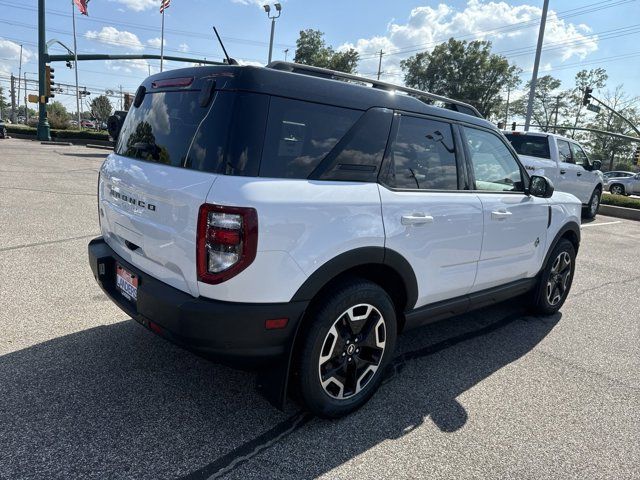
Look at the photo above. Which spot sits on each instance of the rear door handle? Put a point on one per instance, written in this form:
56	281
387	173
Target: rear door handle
416	219
563	171
500	215
579	174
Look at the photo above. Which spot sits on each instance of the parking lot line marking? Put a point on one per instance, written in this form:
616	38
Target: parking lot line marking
603	223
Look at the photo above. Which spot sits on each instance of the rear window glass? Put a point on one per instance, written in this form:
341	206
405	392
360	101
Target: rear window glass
161	128
531	145
300	134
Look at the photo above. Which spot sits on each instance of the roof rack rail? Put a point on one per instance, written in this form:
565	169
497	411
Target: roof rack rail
452	104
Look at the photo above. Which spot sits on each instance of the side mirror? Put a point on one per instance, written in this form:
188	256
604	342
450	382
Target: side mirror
540	186
596	165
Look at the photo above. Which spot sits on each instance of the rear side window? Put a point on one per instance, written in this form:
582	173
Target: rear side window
161	128
531	145
300	134
423	156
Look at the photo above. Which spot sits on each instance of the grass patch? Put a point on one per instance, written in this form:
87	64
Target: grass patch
621	201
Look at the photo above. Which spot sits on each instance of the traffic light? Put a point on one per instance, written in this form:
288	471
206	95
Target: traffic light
586	100
48	82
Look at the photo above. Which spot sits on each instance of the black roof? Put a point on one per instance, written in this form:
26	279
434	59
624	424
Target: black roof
308	87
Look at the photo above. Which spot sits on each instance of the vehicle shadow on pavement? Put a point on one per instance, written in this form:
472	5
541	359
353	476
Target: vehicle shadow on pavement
117	402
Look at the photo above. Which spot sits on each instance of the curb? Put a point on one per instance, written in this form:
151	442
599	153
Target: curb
620	212
102	147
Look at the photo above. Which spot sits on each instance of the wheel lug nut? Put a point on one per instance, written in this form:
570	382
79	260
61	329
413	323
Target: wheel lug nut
348	342
349	358
356	340
357	350
344	353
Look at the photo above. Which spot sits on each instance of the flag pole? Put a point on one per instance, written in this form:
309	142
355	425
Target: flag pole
162	36
75	54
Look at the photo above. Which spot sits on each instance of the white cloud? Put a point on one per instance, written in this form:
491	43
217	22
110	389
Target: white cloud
252	63
113	36
10	56
155	42
429	26
183	47
258	3
129	66
140	5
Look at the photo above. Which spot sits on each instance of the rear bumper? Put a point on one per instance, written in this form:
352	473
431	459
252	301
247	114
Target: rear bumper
233	333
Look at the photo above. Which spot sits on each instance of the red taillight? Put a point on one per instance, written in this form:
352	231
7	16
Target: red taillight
227	240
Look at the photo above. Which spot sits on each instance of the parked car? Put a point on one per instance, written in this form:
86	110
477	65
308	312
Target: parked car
87	124
617	174
3	129
300	221
563	161
627	185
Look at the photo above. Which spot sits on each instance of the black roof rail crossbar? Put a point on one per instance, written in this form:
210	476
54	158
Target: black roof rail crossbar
333	74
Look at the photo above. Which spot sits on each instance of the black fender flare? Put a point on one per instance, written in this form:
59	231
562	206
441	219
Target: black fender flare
573	227
355	258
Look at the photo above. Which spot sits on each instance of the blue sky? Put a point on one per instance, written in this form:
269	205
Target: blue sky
580	34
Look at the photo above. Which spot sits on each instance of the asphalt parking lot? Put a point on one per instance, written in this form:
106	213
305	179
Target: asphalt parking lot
86	392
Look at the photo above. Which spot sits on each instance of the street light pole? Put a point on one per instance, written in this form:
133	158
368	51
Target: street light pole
267	9
44	132
536	63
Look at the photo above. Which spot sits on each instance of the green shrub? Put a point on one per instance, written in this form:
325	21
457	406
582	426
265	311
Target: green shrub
621	201
61	134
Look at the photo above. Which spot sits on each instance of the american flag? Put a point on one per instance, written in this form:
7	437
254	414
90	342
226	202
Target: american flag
164	4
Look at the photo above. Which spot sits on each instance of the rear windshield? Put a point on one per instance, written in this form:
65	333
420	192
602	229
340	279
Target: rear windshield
161	128
531	145
252	134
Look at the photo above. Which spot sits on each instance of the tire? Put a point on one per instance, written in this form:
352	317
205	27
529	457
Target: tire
350	342
617	189
556	279
593	206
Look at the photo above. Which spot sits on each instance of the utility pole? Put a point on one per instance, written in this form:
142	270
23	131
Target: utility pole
506	111
19	79
286	52
536	64
555	122
13	99
122	98
44	132
75	55
380	65
26	105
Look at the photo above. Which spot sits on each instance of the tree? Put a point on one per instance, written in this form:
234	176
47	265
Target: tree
462	70
548	102
4	105
311	49
57	115
595	78
101	108
610	149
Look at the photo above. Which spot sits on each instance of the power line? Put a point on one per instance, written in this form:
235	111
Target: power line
184	33
505	28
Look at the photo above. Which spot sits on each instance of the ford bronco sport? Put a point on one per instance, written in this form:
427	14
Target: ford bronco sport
299	219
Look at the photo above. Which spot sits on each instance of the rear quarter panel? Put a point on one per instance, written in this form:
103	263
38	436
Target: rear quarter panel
302	224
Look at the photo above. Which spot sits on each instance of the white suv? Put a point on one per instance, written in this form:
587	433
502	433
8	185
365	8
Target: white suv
287	218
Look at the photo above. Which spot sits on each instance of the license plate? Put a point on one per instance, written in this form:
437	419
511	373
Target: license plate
127	283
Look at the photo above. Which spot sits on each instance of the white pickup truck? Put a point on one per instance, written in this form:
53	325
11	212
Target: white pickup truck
563	161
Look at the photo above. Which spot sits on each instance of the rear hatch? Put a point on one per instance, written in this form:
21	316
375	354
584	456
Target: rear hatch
150	190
